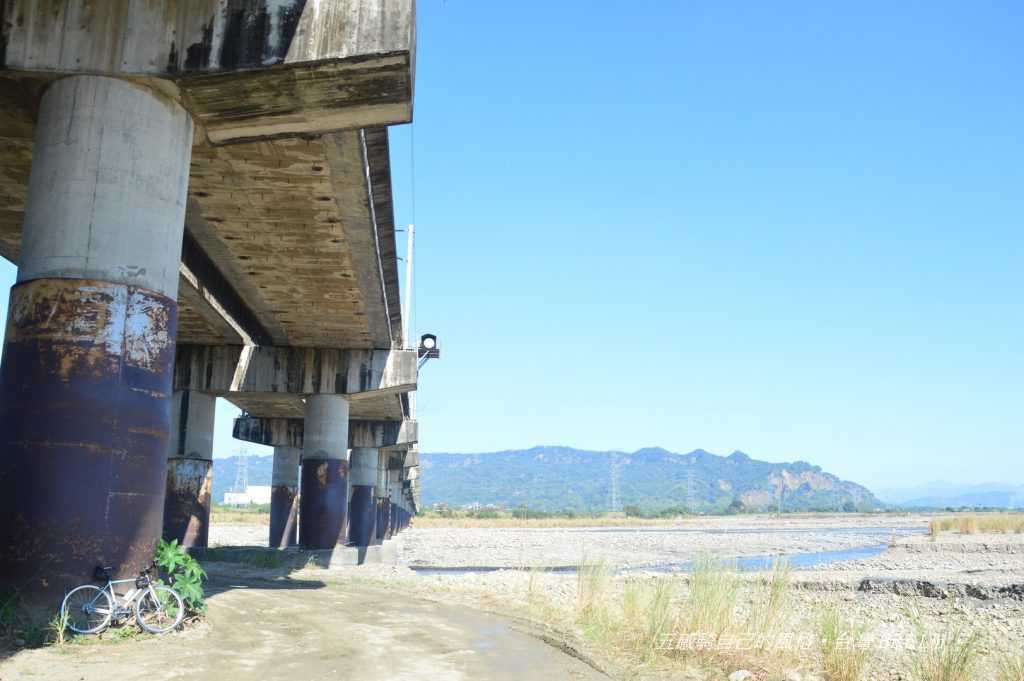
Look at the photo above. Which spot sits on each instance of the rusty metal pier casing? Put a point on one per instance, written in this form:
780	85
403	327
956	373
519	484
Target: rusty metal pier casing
85	416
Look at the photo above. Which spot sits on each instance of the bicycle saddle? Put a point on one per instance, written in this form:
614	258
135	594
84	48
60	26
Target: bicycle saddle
103	573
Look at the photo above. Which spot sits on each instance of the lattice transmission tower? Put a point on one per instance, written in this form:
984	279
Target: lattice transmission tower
615	501
691	491
241	470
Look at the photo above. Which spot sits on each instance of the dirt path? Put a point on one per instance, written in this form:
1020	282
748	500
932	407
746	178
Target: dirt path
297	630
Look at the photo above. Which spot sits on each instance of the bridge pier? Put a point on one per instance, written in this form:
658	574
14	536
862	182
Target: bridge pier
284	497
190	469
86	374
364	462
323	501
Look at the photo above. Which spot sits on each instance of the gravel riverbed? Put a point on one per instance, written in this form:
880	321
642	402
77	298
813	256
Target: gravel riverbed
909	581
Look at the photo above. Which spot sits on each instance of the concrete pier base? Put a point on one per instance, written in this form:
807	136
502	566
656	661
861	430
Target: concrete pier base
189	469
85	382
323	503
297	558
284	497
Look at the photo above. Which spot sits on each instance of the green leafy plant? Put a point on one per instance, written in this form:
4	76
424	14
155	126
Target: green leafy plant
183	572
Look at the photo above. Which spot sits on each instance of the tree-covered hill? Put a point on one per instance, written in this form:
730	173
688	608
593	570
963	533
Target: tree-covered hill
557	478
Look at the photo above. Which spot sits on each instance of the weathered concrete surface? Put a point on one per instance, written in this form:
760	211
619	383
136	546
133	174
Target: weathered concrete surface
224	369
289	241
243	68
285	432
307	629
107	187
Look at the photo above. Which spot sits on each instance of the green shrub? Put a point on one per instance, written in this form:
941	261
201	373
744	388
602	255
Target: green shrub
183	572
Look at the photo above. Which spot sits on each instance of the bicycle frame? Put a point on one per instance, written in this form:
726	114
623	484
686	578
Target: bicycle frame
122	605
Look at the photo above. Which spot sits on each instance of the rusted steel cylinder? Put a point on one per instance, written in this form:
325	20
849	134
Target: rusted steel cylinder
362	522
362	511
190	469
323	503
284	497
84	420
187	501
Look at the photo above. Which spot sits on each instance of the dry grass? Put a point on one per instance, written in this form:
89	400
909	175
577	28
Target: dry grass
711	617
842	658
952	655
713	600
226	517
1010	667
978	523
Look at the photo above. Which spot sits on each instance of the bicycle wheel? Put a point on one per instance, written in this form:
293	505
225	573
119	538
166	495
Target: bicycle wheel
159	610
87	609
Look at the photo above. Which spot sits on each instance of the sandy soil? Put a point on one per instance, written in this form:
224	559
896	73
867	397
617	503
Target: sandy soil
974	581
305	628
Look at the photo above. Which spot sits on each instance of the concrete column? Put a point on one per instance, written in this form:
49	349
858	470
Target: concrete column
394	488
381	493
284	497
190	469
323	503
362	524
85	382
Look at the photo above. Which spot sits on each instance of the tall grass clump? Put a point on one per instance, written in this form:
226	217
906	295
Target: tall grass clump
842	659
648	615
950	656
1010	667
972	524
770	613
592	606
712	603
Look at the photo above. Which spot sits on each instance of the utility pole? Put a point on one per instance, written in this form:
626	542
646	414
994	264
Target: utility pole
407	330
410	245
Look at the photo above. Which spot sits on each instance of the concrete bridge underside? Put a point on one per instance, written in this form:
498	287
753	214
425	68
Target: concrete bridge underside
198	199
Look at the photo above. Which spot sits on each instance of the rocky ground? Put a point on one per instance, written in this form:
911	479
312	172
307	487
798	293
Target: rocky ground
970	581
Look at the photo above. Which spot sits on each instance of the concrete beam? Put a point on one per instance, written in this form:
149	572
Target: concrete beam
243	69
288	432
226	370
210	294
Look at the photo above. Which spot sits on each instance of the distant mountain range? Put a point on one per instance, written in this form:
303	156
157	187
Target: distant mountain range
951	495
562	478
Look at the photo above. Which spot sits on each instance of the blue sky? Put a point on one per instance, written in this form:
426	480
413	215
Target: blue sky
795	230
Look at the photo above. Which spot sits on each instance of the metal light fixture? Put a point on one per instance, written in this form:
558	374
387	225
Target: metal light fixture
428	348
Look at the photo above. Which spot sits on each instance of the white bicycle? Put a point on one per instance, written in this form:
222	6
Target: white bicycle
90	609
